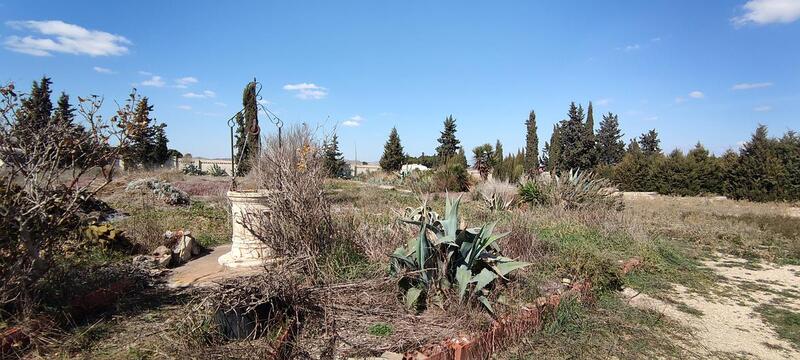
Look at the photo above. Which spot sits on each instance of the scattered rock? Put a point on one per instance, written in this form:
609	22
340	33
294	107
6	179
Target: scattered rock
180	247
184	248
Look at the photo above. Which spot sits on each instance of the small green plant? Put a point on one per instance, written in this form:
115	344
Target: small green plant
451	176
380	329
216	170
531	192
574	189
444	256
104	236
192	169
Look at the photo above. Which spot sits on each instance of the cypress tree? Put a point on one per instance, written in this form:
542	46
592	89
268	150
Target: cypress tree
554	152
500	170
531	144
610	146
758	172
334	160
160	152
788	152
650	143
248	141
393	157
589	140
544	160
142	141
448	143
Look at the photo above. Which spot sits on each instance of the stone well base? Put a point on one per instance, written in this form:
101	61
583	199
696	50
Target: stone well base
247	208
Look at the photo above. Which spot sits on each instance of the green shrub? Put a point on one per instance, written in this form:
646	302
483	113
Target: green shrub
574	189
216	170
451	176
191	169
531	192
466	260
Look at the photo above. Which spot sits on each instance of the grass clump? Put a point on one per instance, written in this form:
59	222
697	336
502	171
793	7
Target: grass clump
785	322
380	329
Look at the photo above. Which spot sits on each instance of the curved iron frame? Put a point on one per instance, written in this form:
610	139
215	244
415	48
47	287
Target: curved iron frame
274	119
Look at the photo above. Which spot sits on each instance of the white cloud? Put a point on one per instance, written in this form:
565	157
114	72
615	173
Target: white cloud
204	95
353	121
145	73
219	103
56	36
655	39
103	70
696	95
763	108
632	47
184	82
184	107
768	12
307	91
602	102
155	81
748	86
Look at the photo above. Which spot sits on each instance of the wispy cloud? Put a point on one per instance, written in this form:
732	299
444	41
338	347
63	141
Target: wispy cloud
696	94
103	70
204	95
602	102
219	103
56	36
184	107
307	91
748	86
145	73
763	12
763	108
632	47
353	121
184	82
155	81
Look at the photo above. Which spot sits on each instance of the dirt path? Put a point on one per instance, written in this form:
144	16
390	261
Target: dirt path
731	321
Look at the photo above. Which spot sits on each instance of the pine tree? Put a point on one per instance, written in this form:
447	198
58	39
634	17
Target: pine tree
142	142
531	144
484	157
575	149
788	151
650	143
334	160
36	109
248	133
758	172
544	160
160	152
448	143
393	157
610	146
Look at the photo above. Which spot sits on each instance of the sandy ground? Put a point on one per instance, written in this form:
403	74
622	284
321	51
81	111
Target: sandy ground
726	322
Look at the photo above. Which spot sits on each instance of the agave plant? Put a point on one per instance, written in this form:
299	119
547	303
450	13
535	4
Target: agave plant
579	189
445	256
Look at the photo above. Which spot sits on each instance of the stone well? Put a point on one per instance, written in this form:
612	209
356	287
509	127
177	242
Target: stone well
247	207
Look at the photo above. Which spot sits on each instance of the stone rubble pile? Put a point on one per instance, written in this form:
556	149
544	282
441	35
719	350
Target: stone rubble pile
179	248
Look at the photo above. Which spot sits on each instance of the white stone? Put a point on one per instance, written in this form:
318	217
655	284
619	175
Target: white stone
247	207
184	248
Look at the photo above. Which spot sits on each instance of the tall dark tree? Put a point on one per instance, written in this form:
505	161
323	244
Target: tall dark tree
498	169
160	153
484	159
589	140
334	160
759	170
38	107
788	152
393	157
554	150
248	141
544	159
650	143
575	151
448	143
531	144
610	147
142	137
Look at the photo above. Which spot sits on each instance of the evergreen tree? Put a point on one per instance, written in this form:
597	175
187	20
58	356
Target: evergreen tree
610	146
334	160
544	160
531	144
393	157
758	172
704	172
499	170
160	153
142	142
788	152
554	151
461	158
35	111
589	140
575	150
448	143
248	141
484	157
650	143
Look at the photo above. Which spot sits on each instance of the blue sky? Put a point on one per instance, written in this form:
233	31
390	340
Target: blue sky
694	70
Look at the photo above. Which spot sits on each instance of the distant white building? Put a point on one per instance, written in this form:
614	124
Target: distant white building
409	168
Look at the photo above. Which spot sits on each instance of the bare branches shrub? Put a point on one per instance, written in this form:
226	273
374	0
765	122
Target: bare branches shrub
299	222
51	167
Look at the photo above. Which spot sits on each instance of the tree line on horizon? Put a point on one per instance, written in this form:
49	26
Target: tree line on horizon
763	169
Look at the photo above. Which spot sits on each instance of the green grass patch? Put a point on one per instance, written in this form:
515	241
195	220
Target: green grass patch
785	322
380	329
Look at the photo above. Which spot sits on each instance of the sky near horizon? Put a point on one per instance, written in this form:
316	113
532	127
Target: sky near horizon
707	71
